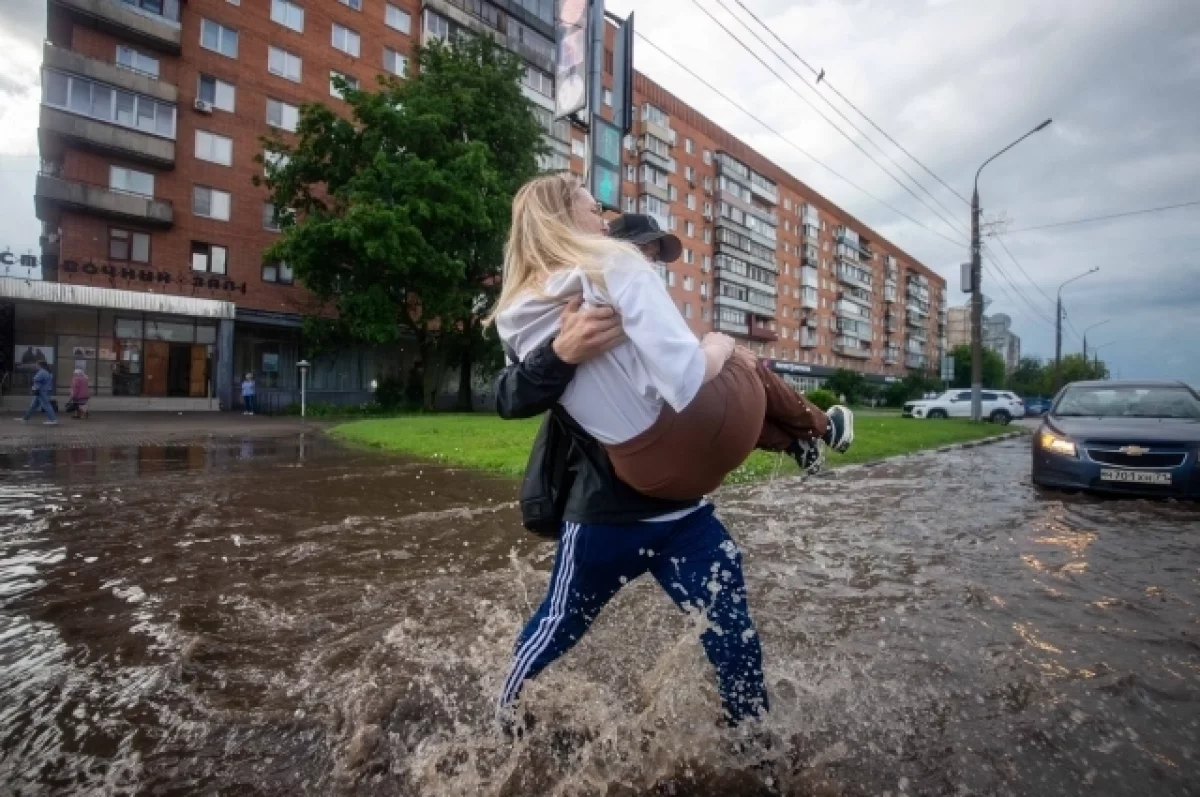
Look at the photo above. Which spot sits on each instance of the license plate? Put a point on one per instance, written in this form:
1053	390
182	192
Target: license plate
1134	476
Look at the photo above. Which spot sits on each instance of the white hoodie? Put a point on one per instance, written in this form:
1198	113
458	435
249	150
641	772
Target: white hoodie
618	395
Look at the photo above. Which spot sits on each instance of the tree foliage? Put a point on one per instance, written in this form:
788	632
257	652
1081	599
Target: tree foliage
993	368
850	385
913	386
400	208
1031	378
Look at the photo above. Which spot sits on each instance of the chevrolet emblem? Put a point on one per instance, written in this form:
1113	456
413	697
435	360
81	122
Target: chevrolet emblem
1134	451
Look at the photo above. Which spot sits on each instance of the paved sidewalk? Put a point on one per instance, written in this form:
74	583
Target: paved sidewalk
145	428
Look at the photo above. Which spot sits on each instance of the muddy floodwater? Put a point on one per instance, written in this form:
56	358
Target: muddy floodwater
289	617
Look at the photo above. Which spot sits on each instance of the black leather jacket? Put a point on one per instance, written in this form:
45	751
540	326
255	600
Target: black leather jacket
595	494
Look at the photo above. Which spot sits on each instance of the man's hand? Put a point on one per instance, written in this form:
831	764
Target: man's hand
587	333
746	356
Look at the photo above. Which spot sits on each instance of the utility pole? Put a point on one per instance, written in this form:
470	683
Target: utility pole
1058	316
1089	329
977	288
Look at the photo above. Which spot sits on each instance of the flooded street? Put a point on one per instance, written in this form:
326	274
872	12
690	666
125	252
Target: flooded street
288	617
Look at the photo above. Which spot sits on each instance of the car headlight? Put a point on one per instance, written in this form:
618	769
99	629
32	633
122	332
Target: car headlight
1057	445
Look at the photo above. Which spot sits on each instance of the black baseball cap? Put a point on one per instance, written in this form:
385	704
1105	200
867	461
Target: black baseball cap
639	229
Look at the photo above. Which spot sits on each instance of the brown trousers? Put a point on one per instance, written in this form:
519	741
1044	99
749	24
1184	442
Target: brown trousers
687	455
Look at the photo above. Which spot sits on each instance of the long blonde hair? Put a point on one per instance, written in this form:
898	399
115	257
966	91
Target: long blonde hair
544	239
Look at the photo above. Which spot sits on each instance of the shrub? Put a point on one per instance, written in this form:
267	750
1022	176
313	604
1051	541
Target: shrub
391	392
822	398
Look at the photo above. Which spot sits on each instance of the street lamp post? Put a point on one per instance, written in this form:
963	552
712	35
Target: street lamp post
1058	316
303	365
1089	329
976	288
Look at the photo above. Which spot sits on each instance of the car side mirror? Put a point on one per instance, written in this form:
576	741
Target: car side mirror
953	401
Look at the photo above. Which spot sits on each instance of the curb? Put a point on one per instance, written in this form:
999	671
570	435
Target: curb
982	442
872	463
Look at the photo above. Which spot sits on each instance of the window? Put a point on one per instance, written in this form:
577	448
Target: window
130	58
689	173
655	116
673	223
704	314
282	115
670	279
279	272
539	81
209	257
689	257
578	149
690	146
703	290
81	96
213	148
672	193
130	181
688	284
218	38
351	83
282	63
216	93
707	235
687	310
270	217
210	203
345	40
288	14
631	173
126	246
630	205
608	97
398	18
394	62
707	267
355	4
708	209
274	160
691	230
707	158
787	204
691	202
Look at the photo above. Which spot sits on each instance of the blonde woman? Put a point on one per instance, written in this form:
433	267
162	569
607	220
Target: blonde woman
674	414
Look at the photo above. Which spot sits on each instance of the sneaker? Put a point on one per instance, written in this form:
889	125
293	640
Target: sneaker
21	420
841	428
808	455
50	423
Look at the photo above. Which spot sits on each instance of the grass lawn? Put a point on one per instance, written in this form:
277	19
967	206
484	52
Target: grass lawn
488	443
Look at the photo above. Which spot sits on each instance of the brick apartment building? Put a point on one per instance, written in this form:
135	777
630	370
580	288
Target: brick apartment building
153	233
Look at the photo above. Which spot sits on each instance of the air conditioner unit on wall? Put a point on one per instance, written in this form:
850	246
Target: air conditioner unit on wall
203	106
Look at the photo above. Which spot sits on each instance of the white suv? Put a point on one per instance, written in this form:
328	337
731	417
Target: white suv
999	406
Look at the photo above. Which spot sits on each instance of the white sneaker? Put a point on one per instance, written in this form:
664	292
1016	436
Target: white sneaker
20	420
50	423
841	428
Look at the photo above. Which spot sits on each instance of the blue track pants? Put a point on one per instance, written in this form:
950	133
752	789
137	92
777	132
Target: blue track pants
692	558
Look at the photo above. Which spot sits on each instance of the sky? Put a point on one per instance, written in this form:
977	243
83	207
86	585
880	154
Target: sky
953	81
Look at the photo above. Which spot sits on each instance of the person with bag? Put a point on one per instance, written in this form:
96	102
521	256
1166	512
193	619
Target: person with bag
556	233
43	385
80	394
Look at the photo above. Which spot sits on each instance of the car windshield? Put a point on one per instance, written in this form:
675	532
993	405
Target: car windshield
1128	402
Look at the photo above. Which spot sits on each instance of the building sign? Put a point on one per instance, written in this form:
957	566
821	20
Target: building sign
151	276
787	368
7	258
570	75
606	163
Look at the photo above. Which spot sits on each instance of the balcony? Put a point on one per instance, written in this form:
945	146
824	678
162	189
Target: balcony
743	305
889	293
55	193
914	360
727	274
919	335
891	356
765	192
849	347
808	339
731	327
855	277
64	60
56	127
760	331
661	130
663	162
128	22
654	189
914	319
854	329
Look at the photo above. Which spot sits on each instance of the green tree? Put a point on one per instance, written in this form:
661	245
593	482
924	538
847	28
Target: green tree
846	383
1029	378
913	386
993	368
1074	368
400	209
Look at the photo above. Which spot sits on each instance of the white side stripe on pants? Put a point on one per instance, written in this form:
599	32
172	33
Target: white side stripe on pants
540	640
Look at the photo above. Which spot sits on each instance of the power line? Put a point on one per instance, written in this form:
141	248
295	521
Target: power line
1012	257
1090	219
808	102
825	100
1013	302
789	142
821	77
999	271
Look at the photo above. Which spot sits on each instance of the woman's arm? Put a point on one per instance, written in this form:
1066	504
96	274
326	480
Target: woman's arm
718	348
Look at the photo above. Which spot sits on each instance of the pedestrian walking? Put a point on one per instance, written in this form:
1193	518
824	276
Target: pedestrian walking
80	393
249	395
43	385
664	393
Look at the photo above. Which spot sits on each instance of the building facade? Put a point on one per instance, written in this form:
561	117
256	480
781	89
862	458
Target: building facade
998	336
151	126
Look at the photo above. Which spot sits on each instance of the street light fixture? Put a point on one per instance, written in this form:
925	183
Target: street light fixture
1089	329
1058	325
976	291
